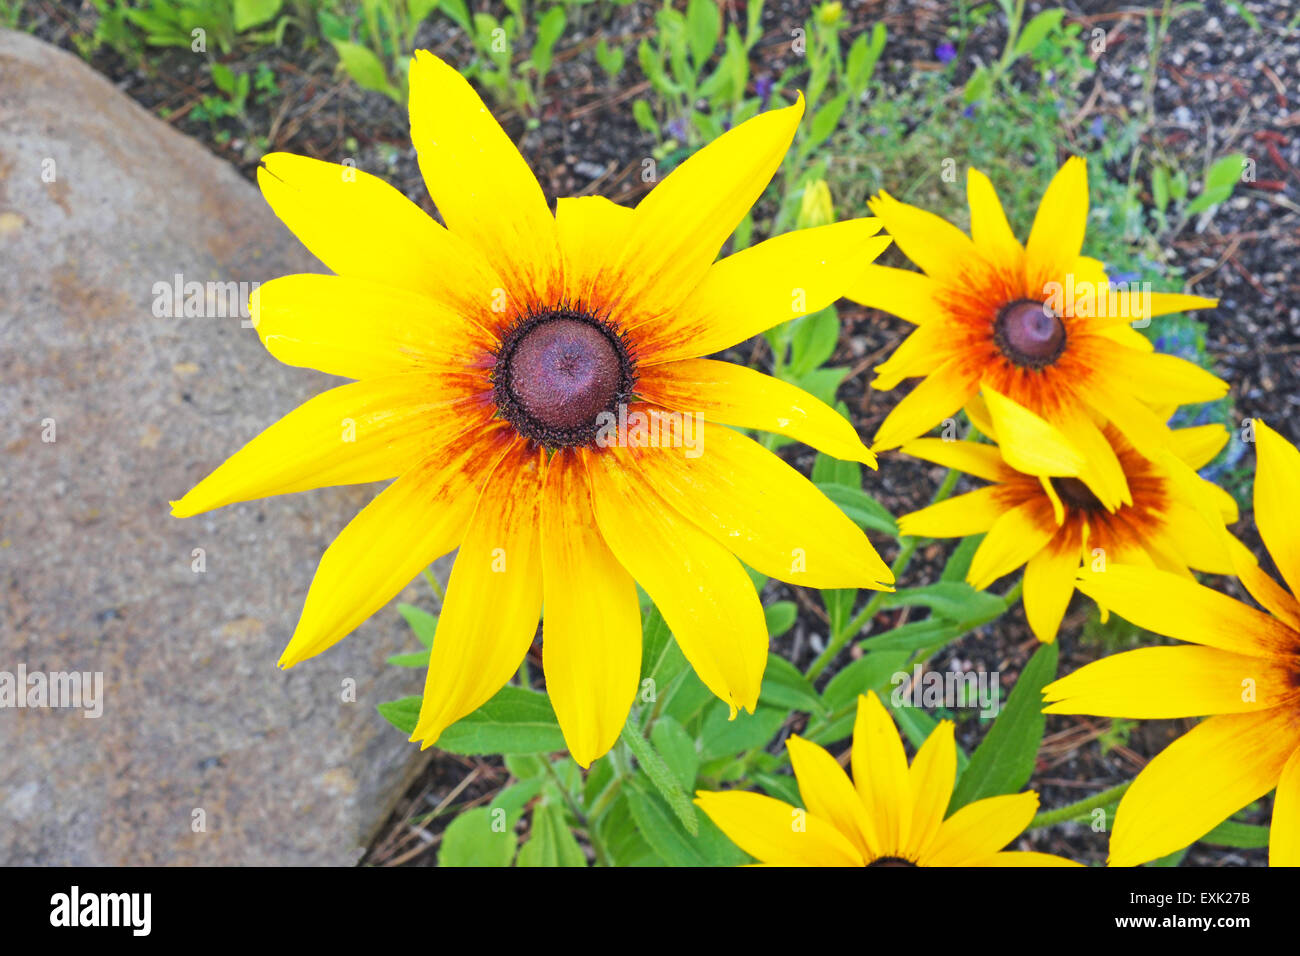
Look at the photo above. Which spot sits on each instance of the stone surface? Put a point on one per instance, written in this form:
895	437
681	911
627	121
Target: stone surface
95	575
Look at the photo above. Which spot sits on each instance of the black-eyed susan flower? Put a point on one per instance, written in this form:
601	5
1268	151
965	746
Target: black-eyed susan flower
502	363
1240	670
890	814
1054	525
1038	324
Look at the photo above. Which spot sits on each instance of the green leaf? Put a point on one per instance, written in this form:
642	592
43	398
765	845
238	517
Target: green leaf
1208	197
1160	187
703	29
1225	173
918	725
955	600
664	833
1036	31
780	617
914	636
424	624
458	10
721	737
223	78
656	770
549	30
250	13
977	87
785	686
824	123
813	339
644	117
839	607
782	786
515	721
1246	836
822	383
365	68
414	659
1004	760
863	56
871	671
864	510
477	837
959	562
402	714
677	749
550	841
833	471
661	658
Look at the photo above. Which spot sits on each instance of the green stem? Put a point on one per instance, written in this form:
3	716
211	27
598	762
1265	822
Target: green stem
1080	808
438	590
909	546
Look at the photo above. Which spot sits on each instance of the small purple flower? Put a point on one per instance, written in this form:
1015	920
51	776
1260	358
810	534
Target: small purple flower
676	129
1124	277
1098	127
969	111
763	87
945	53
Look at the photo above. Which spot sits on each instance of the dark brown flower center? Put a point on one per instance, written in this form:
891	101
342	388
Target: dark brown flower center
1074	494
890	861
1029	333
557	372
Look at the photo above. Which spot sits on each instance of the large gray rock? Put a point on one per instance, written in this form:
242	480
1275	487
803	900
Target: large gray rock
94	573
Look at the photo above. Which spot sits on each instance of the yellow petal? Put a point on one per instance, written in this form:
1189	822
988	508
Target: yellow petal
1101	471
357	328
880	775
972	513
1012	540
989	228
980	829
939	396
410	524
1284	840
735	395
353	434
494	597
942	250
1157	378
765	512
1277	490
1057	234
931	778
912	296
1201	779
928	347
680	226
1028	442
974	458
1049	585
776	833
591	637
1169	605
794	274
829	795
1131	306
592	232
482	187
360	226
1165	682
1198	446
704	594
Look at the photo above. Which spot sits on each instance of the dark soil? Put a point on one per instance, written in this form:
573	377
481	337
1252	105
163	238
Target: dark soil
1221	86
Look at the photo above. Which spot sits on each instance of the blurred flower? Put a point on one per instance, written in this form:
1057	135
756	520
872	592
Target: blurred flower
1038	324
1098	127
491	356
945	53
888	815
1242	666
815	209
829	13
763	89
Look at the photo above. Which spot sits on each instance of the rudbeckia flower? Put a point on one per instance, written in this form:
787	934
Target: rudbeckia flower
890	814
1053	525
1240	670
503	364
1039	324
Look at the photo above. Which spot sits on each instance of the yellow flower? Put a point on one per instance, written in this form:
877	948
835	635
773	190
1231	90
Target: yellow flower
503	364
1038	323
889	815
1242	668
1052	525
